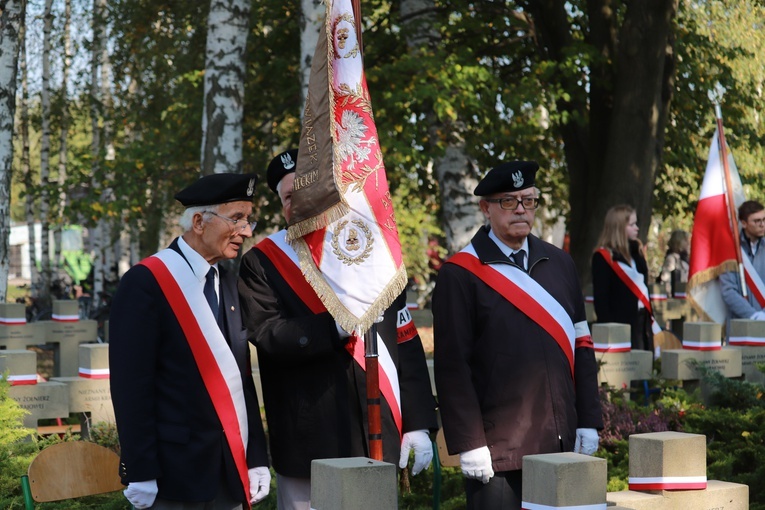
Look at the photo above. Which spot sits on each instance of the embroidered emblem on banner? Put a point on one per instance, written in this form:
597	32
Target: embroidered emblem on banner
344	25
352	241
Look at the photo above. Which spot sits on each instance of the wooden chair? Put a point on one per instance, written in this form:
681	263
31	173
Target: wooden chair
70	470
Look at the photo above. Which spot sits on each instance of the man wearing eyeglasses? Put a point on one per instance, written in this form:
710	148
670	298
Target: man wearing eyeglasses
514	365
751	215
184	399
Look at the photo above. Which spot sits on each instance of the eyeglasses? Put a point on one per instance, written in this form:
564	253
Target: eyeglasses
511	203
758	221
239	225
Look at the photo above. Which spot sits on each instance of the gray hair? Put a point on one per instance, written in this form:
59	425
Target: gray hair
188	215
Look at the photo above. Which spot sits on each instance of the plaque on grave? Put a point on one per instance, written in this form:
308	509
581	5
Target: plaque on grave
20	365
702	336
12	314
43	400
679	363
667	461
65	310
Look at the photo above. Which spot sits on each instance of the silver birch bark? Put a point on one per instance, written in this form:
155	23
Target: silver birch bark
96	233
456	174
26	170
110	244
11	20
312	20
64	133
45	269
225	71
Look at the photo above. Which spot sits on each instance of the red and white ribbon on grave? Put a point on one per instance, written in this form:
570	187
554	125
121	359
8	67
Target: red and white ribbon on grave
654	483
22	379
12	321
702	345
94	373
746	340
525	505
614	347
58	317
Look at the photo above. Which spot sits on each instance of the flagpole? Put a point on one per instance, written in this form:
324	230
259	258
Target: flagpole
373	393
732	216
371	358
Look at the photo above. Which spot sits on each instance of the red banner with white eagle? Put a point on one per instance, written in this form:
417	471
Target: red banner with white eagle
342	222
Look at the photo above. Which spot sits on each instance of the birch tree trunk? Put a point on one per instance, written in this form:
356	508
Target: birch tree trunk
227	29
456	174
96	233
11	20
64	133
111	244
45	269
26	170
312	20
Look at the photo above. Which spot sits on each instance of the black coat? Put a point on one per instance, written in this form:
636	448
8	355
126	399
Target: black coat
615	302
313	391
167	425
502	380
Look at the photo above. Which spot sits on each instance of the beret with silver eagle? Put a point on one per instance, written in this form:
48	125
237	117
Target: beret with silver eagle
218	189
511	176
281	165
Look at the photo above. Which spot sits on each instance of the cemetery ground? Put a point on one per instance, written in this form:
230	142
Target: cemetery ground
732	420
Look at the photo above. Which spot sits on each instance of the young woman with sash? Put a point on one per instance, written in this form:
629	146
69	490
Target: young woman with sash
620	276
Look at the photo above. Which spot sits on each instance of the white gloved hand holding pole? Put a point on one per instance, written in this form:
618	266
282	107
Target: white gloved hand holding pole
141	494
260	483
476	464
586	441
419	441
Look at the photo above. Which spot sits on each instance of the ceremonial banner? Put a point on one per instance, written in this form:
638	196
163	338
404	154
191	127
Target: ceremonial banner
342	222
713	246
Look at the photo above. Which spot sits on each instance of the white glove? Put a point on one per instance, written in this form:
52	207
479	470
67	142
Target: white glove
476	464
758	316
586	441
419	441
141	494
260	483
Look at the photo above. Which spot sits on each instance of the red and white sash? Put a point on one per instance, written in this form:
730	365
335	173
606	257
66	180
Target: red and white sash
637	291
215	361
284	258
753	281
530	298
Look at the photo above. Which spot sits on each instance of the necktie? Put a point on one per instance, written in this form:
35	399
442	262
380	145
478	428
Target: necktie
518	258
209	291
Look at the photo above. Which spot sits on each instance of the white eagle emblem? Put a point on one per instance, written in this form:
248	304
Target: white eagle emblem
518	179
287	161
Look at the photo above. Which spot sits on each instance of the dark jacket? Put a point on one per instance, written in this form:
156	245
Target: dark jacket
167	425
313	391
502	380
615	302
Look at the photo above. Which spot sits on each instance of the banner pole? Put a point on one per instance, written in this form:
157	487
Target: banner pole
373	393
732	216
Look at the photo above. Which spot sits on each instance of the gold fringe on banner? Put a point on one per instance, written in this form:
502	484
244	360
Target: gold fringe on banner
344	317
326	218
704	277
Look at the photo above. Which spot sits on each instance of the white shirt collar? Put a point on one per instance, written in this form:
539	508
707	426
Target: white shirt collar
198	264
506	250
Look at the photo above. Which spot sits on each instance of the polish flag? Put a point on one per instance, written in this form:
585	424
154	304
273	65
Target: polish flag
713	247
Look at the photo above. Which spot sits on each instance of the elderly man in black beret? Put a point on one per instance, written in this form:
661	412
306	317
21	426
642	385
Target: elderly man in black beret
184	399
514	365
313	390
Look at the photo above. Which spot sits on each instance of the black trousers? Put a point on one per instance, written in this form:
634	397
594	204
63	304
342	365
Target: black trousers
503	492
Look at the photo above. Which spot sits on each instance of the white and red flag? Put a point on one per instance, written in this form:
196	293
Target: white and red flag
715	232
342	223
